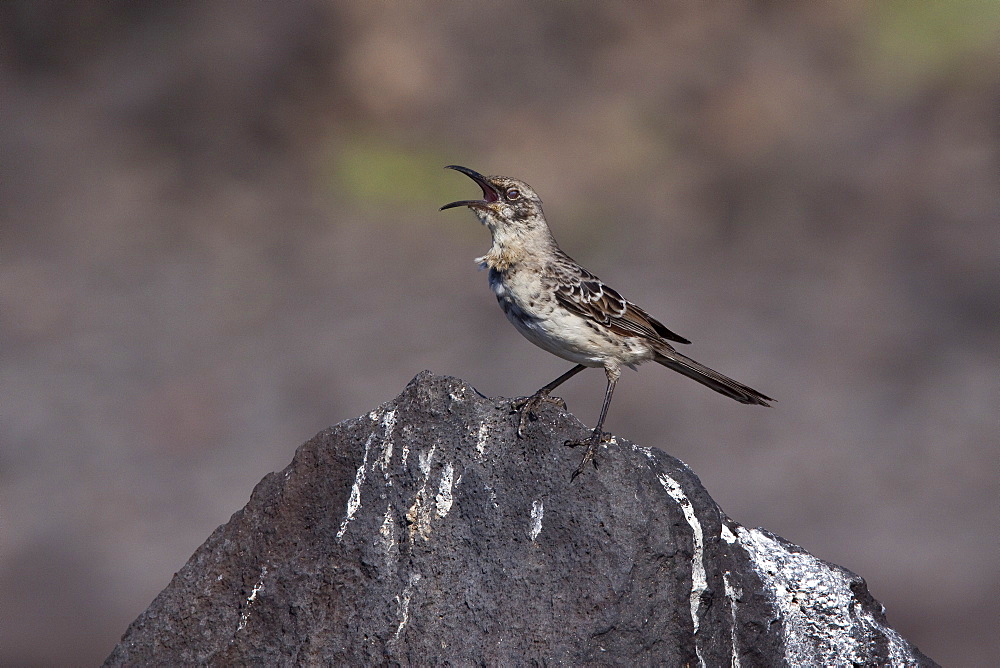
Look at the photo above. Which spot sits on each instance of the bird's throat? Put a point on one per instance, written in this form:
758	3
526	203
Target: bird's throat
499	257
513	245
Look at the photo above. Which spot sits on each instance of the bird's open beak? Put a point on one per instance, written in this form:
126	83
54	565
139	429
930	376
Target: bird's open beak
490	194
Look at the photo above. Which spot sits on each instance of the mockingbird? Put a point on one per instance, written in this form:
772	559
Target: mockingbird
563	308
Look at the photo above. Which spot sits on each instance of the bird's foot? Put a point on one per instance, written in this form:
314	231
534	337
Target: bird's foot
527	408
592	443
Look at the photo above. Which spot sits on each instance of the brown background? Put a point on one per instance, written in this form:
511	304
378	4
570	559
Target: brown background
220	235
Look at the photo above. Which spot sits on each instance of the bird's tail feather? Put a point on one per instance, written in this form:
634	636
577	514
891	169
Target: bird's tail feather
713	379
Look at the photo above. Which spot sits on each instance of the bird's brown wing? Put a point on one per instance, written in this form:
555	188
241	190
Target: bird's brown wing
586	295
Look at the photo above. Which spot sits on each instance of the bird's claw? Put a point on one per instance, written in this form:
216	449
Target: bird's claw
526	408
590	455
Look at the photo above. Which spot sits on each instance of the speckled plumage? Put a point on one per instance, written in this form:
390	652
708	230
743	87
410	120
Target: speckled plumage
565	309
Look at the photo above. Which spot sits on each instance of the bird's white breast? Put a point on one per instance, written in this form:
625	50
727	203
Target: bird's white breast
532	308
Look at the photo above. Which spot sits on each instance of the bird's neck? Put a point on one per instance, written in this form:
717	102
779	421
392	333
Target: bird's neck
516	246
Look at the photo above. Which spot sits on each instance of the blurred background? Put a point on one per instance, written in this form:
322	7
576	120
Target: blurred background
220	235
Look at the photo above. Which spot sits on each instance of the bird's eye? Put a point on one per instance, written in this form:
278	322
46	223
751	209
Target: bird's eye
513	194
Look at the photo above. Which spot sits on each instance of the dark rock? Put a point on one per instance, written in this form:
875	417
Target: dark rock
426	532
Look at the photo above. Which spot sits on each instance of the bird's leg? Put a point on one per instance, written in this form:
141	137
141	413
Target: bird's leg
526	406
598	434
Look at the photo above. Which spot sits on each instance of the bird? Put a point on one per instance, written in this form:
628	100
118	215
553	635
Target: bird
567	310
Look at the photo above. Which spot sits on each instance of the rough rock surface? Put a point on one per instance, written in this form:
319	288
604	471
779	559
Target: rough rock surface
426	532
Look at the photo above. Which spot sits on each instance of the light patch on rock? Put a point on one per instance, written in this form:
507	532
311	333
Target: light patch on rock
443	499
732	594
245	615
354	500
420	512
823	622
387	540
424	460
537	510
403	602
648	452
388	424
481	439
699	582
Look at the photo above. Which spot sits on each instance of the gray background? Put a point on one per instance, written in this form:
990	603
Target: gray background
220	235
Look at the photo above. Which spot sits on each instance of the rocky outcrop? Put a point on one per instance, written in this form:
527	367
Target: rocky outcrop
427	532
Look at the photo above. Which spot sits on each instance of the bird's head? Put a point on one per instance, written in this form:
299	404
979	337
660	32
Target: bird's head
507	204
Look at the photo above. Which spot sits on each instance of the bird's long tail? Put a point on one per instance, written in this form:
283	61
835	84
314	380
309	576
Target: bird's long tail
713	379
